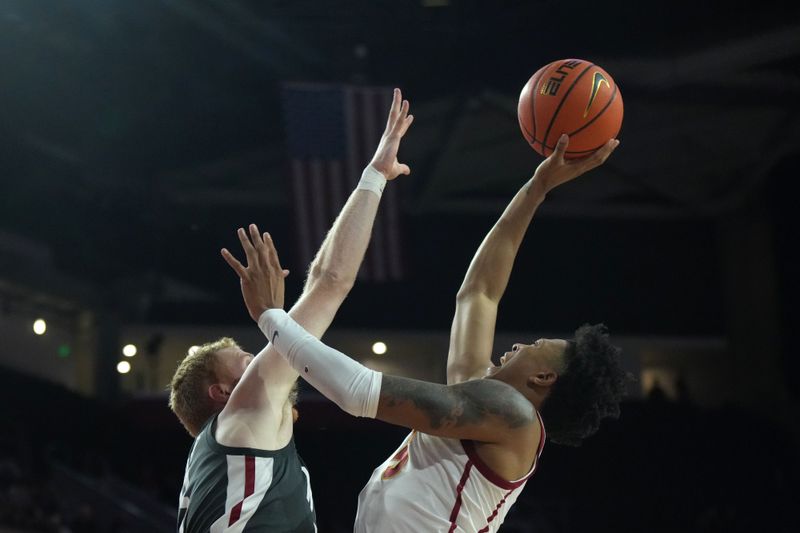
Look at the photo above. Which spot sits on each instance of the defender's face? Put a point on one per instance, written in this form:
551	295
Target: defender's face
523	360
233	362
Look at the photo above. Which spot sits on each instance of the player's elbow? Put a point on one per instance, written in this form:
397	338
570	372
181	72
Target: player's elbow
329	281
472	291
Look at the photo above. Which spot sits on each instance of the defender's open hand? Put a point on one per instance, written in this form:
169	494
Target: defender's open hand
262	278
556	170
385	158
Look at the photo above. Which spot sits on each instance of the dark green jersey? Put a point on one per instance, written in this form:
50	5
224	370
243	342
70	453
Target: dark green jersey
235	490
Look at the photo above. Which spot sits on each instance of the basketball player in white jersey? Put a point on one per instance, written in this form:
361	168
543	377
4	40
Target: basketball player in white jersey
476	440
243	473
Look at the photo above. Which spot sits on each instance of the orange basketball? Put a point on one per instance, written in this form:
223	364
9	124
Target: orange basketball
571	96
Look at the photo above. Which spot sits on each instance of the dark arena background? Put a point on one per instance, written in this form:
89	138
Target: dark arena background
136	136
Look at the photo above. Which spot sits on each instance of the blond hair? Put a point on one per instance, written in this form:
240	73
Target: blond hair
188	396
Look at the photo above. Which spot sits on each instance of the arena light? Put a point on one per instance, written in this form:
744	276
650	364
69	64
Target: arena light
379	348
123	367
129	350
39	326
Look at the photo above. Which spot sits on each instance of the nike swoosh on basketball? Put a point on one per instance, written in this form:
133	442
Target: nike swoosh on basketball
598	80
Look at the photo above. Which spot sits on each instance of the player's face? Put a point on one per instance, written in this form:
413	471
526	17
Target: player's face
543	355
234	362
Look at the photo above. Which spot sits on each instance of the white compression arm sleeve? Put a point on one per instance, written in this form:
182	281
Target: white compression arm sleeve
349	384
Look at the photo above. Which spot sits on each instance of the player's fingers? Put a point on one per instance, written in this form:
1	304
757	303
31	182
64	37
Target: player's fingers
403	169
272	253
399	123
394	110
561	147
285	273
255	237
234	263
600	156
406	124
247	246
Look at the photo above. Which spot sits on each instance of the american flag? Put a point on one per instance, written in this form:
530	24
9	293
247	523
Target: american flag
333	131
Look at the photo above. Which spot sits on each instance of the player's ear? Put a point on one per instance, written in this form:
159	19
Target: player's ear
219	392
542	379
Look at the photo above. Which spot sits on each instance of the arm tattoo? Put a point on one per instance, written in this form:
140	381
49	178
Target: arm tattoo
469	403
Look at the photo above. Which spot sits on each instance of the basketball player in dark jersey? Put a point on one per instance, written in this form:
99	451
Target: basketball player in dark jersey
243	473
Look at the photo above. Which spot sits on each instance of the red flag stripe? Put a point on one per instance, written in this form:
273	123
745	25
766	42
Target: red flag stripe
301	207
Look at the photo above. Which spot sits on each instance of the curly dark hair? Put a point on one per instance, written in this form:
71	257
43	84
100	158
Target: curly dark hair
588	390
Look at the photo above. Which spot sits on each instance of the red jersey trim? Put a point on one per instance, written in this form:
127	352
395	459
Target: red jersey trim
459	490
249	488
494	513
491	475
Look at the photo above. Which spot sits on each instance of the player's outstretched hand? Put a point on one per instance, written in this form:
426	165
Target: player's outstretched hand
556	170
262	278
385	158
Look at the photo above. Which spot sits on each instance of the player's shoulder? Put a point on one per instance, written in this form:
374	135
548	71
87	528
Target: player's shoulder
254	428
501	399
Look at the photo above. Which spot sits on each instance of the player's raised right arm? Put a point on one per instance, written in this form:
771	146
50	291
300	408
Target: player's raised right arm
472	332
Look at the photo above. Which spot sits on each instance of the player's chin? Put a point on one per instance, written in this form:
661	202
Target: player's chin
492	370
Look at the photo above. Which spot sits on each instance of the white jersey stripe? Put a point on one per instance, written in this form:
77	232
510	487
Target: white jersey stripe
249	478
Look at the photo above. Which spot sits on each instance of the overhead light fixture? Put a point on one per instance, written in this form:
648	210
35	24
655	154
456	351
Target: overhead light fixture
39	326
129	350
379	348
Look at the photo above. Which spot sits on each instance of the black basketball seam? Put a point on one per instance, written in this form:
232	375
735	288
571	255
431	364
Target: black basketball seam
533	100
561	103
610	100
522	126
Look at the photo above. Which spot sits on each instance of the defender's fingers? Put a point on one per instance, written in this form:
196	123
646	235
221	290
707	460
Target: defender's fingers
404	169
406	124
396	122
394	110
399	127
234	263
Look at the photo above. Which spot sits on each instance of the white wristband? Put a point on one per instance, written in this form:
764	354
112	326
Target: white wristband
372	180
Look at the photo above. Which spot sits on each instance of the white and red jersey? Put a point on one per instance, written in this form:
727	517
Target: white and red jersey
434	484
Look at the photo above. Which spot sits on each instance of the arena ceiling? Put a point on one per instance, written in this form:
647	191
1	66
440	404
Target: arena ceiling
136	136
